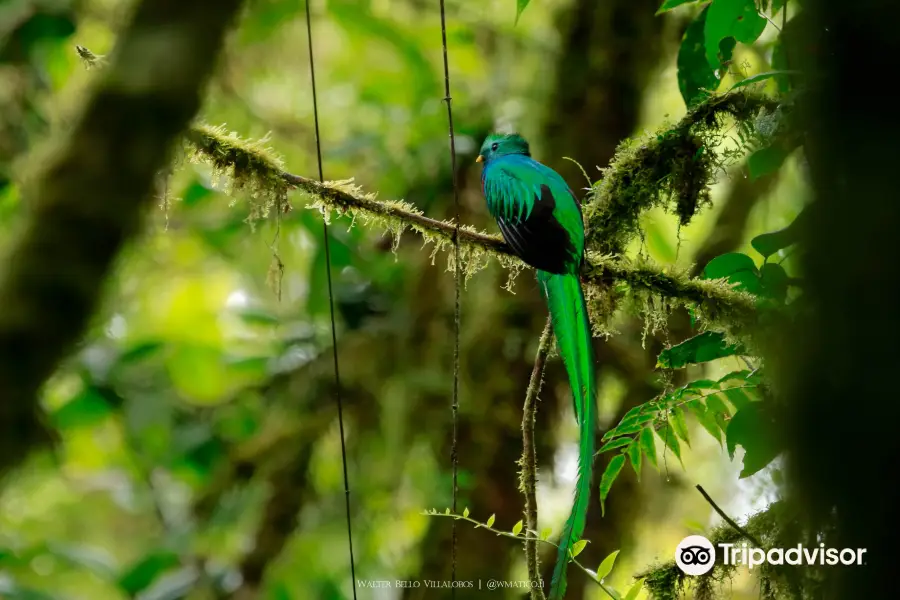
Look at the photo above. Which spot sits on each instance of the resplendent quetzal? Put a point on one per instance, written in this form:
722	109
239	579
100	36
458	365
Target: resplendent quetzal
541	221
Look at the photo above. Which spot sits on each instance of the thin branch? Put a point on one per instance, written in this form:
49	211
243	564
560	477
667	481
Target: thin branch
457	279
528	475
728	519
591	574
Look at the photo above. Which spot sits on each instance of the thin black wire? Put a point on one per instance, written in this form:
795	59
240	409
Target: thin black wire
337	372
454	456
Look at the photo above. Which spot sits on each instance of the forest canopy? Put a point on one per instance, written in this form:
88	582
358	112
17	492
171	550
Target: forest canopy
261	335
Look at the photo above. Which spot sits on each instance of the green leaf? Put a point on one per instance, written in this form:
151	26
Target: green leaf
774	282
138	352
714	403
679	425
606	566
698	349
545	533
613	592
609	476
706	418
635	590
143	573
88	408
616	443
490	521
466	512
648	446
766	160
634	457
517	528
728	264
667	435
733	266
701	385
622	430
738	397
752	428
577	547
760	77
737	268
737	376
768	244
638	419
520	8
735	19
668	5
636	410
696	79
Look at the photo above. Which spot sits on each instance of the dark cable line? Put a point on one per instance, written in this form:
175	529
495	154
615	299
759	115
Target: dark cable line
454	456
337	372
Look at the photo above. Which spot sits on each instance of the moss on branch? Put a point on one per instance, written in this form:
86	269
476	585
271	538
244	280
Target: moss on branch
260	173
676	163
776	527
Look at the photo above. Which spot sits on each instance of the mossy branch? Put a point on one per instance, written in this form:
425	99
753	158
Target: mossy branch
630	185
774	527
528	463
676	163
254	168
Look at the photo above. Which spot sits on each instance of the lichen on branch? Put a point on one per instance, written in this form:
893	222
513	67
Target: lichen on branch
260	173
676	163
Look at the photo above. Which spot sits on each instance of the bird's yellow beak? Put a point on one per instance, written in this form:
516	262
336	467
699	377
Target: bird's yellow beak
479	159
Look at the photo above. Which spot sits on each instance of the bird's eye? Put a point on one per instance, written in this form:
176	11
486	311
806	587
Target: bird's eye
494	146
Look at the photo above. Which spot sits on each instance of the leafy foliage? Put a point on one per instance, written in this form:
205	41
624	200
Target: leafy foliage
696	79
727	22
196	393
712	404
698	349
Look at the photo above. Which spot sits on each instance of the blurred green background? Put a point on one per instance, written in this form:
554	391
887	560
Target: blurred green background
200	451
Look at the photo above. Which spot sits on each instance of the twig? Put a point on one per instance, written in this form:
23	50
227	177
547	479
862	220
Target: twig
457	278
728	519
591	574
528	475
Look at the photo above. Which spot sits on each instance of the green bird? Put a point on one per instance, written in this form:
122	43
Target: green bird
541	221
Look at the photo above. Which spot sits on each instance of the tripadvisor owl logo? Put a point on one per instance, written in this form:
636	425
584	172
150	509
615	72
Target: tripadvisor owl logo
695	555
